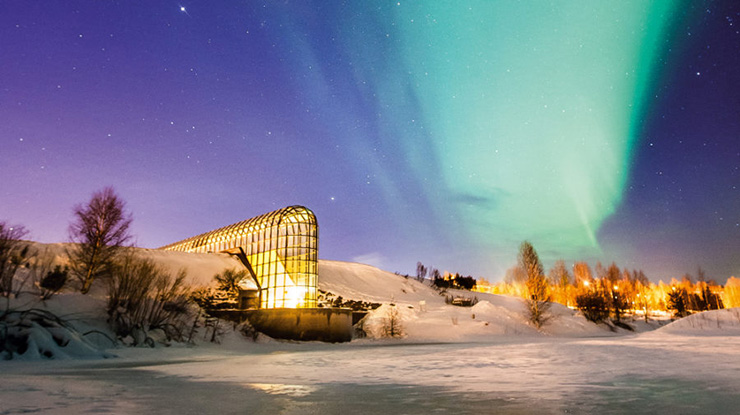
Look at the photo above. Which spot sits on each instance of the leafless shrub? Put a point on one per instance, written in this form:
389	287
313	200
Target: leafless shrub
14	255
143	297
392	326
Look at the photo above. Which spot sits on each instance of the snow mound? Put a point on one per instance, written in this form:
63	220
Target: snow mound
380	322
422	311
366	283
724	322
425	316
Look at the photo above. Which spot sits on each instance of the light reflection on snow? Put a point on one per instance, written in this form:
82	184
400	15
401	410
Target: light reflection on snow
295	391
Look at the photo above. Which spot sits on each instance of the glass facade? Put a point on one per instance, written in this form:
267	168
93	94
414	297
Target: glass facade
279	248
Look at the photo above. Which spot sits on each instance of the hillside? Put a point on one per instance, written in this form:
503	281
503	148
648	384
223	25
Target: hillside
422	310
725	322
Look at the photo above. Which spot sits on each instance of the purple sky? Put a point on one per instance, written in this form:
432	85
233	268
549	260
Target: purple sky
227	110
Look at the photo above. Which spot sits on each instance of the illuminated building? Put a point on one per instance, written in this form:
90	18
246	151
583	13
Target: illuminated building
279	249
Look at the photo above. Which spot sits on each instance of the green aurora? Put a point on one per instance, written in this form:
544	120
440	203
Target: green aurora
532	110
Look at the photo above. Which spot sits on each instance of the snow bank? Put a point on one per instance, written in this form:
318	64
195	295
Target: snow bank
422	311
366	283
66	326
425	316
724	322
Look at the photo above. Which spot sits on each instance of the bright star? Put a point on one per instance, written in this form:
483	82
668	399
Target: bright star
182	9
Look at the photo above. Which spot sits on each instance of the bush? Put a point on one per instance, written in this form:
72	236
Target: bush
593	306
142	297
228	282
53	281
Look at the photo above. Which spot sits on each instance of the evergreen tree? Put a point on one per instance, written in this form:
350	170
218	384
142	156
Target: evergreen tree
677	301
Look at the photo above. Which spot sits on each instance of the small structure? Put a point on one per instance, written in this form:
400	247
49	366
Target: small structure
280	251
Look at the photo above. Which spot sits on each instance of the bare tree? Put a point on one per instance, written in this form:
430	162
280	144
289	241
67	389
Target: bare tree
392	326
421	271
538	301
14	253
99	230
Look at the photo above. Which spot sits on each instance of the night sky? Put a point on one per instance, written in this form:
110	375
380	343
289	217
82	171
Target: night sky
441	132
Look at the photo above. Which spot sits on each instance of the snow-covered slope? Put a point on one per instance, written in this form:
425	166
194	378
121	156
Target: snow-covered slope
423	312
200	268
367	283
724	322
424	315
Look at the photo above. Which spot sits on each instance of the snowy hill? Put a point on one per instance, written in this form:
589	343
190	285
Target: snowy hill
422	310
367	283
724	322
425	316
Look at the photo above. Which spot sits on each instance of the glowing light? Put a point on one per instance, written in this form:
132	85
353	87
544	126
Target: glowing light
524	115
561	100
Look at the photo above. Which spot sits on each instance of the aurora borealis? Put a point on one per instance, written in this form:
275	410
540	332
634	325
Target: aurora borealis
441	132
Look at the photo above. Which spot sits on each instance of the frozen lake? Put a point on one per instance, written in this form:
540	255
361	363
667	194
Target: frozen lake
649	373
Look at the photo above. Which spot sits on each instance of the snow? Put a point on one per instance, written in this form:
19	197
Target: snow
450	359
709	323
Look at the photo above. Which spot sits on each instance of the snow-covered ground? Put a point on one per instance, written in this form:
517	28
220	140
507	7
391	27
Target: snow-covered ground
480	359
659	374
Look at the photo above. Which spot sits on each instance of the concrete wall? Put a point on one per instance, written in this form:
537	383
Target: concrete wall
323	324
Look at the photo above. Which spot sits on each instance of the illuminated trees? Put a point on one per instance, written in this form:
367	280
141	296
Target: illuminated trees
561	282
582	273
99	230
617	299
537	302
644	293
731	297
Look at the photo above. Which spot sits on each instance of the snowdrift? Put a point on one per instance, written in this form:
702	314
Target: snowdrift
724	322
420	311
366	283
424	315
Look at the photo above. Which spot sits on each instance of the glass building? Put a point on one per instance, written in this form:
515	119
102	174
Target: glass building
279	249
